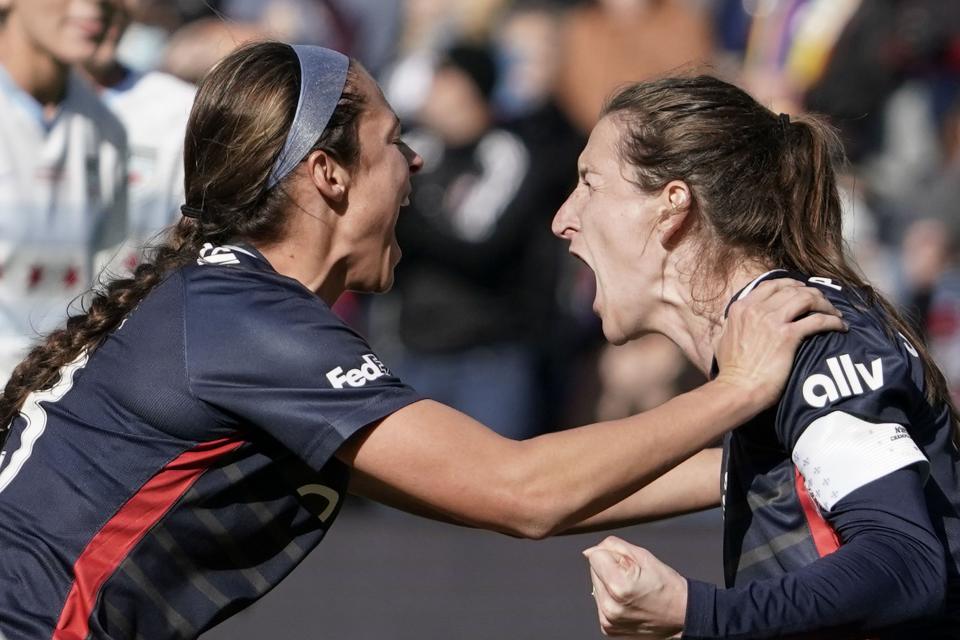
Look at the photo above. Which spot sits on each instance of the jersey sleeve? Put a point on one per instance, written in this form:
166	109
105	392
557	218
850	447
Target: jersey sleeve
845	414
890	569
276	359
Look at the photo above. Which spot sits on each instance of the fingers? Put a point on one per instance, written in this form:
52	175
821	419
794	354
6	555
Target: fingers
619	545
600	594
617	572
817	323
768	288
785	303
610	607
793	303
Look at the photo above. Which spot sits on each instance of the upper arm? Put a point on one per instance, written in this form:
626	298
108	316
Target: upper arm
846	414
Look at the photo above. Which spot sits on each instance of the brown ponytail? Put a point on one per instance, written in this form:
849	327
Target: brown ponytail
765	187
813	241
239	121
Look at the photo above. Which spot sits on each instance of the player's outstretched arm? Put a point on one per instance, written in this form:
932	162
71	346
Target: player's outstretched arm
443	461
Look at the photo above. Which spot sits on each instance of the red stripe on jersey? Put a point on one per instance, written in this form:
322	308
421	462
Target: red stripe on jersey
824	537
111	545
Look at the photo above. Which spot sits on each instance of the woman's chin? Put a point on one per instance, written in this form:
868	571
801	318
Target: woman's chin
612	332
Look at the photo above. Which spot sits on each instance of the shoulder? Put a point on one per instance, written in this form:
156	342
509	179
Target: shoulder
234	283
870	371
237	309
871	332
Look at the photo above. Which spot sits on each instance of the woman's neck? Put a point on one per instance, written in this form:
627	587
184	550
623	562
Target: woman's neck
309	251
31	68
696	326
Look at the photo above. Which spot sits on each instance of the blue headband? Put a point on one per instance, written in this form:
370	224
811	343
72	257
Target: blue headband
323	75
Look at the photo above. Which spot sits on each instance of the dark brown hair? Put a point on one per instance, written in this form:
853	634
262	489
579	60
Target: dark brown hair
237	127
763	186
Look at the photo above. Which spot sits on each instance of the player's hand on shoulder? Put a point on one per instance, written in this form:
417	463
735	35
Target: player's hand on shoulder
763	331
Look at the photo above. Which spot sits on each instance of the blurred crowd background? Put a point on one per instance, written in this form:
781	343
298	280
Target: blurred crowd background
489	313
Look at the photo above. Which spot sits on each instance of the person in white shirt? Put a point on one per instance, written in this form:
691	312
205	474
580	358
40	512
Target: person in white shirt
62	167
153	108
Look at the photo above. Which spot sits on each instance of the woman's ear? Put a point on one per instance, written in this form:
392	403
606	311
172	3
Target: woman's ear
676	209
330	177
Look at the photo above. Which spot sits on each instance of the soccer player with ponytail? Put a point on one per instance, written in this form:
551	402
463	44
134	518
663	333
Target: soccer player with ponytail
842	502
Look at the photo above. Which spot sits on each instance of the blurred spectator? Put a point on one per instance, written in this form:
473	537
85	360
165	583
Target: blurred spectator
153	108
197	46
321	22
883	44
62	167
930	262
528	42
612	42
368	30
376	25
477	205
789	46
430	27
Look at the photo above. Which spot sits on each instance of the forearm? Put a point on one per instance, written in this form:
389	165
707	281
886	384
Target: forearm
693	485
434	455
638	450
890	569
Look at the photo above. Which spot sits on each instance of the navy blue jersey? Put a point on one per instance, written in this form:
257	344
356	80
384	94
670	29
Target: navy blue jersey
181	470
853	412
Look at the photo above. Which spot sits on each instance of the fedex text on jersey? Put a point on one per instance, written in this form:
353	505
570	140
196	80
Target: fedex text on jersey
370	370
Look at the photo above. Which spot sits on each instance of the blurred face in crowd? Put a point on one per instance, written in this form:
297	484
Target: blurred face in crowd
380	185
530	41
615	229
67	30
106	53
455	109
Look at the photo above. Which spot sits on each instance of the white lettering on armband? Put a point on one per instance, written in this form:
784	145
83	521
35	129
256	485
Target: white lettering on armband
839	453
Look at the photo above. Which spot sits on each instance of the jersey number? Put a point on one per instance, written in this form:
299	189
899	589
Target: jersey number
36	418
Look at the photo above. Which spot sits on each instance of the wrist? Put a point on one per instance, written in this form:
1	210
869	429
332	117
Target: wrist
678	606
735	399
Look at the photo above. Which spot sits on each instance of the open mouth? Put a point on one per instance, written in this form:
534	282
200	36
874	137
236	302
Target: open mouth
581	259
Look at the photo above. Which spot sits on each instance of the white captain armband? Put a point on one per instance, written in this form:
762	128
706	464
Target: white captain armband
839	453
